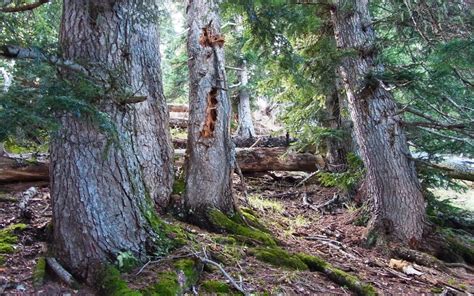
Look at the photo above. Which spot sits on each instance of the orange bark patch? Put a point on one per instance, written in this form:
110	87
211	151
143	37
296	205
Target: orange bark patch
210	39
211	114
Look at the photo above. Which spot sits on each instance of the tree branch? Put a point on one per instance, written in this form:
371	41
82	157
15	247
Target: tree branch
25	7
17	52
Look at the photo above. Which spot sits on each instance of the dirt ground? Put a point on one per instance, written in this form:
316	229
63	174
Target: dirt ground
291	214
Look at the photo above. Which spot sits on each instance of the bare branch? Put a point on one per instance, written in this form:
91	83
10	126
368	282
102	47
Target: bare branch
25	7
17	52
205	259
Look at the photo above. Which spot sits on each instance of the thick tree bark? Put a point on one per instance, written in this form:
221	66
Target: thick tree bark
245	128
210	150
391	177
336	148
103	183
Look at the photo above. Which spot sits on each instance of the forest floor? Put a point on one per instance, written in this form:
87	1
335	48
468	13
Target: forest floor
295	222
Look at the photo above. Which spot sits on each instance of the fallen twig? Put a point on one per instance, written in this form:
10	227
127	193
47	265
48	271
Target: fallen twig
306	203
306	179
205	259
160	260
333	200
332	243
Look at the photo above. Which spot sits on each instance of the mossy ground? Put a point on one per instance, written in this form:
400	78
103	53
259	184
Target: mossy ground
8	239
216	287
112	284
282	258
40	272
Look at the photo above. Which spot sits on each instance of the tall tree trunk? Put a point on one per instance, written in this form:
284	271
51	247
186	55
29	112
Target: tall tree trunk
336	148
103	186
245	129
210	151
391	177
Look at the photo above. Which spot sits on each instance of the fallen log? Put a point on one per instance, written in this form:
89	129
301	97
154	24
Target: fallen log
15	169
178	108
253	160
178	123
250	160
259	141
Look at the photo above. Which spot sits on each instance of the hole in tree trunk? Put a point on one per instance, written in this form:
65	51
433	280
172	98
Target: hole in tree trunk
211	114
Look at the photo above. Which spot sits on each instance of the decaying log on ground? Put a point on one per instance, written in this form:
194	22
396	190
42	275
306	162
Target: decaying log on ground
259	141
16	169
178	108
251	160
276	159
178	123
269	159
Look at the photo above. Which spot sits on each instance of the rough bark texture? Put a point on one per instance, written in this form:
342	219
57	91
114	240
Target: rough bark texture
101	186
245	129
210	154
391	177
336	148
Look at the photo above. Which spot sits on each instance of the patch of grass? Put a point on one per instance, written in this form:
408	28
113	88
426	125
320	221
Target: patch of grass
179	185
179	133
259	203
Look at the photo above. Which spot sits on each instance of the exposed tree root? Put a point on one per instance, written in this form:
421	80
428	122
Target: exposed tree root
62	273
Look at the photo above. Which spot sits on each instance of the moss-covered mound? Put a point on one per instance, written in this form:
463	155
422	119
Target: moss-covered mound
235	225
8	239
112	284
39	272
217	288
279	257
168	283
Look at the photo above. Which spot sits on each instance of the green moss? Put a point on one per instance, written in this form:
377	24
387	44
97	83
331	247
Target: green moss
279	257
436	290
170	236
336	275
213	286
251	218
112	284
461	248
230	225
8	238
179	186
190	270
167	285
126	261
39	272
225	240
2	260
314	263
